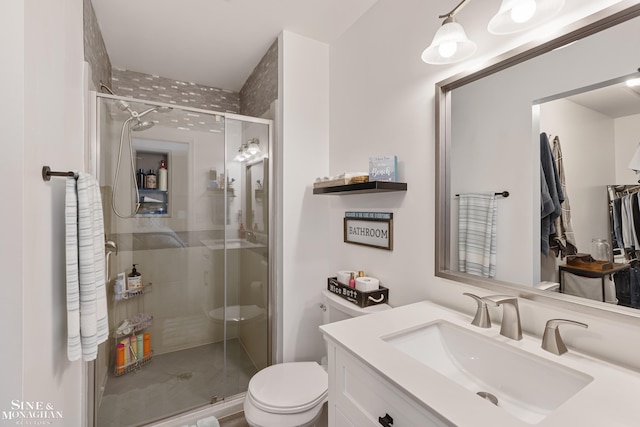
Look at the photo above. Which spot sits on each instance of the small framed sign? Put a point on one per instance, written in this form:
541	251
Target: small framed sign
383	168
373	229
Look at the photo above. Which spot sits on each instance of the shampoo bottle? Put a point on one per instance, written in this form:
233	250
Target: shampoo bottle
162	176
134	347
150	180
140	178
127	351
140	346
134	280
146	350
120	359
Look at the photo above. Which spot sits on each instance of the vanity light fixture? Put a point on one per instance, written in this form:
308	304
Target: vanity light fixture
520	15
450	43
253	146
240	157
248	150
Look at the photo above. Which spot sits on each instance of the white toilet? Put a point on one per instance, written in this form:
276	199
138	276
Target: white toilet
292	394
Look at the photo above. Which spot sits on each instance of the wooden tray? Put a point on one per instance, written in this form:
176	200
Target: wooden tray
341	181
586	262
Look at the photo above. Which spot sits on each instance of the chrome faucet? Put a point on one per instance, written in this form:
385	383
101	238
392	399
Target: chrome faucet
481	319
510	327
551	340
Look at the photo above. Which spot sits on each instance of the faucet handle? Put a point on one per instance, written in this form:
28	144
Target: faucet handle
481	319
510	326
497	300
551	340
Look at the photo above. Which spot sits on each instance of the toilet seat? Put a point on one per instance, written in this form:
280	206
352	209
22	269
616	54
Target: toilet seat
289	388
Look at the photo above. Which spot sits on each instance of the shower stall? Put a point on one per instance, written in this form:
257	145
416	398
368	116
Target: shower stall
186	197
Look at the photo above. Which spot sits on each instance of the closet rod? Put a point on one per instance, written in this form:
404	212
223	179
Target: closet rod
47	173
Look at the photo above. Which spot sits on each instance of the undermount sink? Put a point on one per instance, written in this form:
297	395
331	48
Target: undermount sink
525	385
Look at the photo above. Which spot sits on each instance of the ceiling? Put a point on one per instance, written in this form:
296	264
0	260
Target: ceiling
615	101
216	43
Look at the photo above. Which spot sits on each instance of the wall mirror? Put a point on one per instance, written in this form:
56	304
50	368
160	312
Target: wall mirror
488	141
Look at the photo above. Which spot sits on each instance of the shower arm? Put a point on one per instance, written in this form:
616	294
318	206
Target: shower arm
138	116
104	86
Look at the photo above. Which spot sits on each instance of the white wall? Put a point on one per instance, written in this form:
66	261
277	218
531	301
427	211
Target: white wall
382	101
303	156
382	104
627	134
43	56
11	220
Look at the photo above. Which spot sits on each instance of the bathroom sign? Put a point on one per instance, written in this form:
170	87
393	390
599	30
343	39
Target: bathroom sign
373	229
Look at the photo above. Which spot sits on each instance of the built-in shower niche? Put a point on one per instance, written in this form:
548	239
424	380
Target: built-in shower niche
154	195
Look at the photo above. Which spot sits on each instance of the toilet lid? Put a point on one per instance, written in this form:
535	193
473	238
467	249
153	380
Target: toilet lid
288	388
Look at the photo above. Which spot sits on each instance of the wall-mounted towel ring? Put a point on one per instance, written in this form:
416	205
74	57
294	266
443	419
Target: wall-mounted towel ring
47	173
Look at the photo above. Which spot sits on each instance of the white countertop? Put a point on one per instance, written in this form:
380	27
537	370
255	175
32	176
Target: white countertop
609	400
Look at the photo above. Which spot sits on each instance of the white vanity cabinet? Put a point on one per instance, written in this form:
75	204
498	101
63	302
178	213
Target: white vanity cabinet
359	397
369	377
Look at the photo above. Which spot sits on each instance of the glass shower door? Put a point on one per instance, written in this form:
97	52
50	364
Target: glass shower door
247	251
165	206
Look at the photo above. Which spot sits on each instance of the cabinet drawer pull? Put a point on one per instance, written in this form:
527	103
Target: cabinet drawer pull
386	421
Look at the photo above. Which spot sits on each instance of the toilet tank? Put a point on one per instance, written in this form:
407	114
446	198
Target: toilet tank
337	308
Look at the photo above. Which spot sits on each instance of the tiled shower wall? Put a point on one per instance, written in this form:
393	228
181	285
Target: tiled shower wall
261	88
95	52
160	89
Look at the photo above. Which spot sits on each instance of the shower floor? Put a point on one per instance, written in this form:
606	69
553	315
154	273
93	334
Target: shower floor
173	383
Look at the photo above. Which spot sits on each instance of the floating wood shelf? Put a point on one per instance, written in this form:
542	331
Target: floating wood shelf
362	188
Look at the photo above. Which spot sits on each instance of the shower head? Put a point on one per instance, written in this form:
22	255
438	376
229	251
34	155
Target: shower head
140	125
144	125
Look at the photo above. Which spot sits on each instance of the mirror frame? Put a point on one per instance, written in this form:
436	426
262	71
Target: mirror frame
592	24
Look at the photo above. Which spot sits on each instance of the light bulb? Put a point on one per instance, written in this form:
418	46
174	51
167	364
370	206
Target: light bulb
253	147
523	10
447	49
633	82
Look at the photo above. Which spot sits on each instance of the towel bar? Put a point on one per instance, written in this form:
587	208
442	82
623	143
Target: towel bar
47	173
502	193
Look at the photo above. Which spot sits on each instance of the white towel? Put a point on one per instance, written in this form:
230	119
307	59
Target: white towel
477	234
87	322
